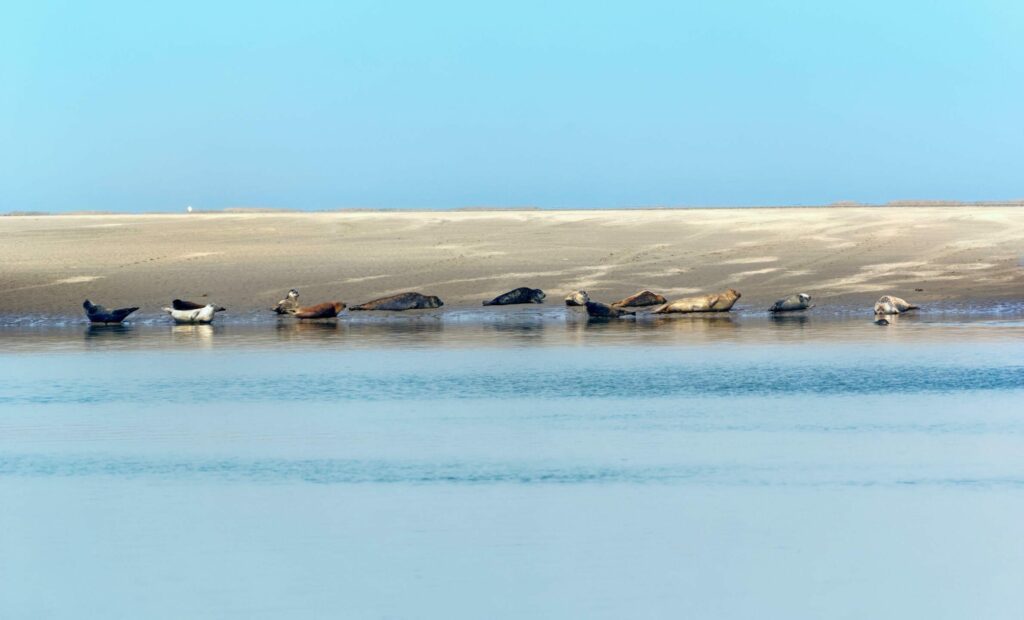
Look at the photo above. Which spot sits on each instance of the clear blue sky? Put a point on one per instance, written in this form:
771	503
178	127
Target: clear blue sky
153	106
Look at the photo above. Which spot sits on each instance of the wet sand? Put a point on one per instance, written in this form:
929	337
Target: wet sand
49	264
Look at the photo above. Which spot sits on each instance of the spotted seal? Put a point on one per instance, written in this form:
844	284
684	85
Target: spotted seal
793	303
181	304
202	314
289	304
402	301
577	298
714	302
639	300
890	304
521	295
99	314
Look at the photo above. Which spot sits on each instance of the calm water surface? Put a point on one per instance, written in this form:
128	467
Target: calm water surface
528	467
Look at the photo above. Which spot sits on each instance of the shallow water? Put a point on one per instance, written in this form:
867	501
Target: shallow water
532	466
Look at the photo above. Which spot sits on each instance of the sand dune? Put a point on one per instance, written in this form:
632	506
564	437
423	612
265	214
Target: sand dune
48	264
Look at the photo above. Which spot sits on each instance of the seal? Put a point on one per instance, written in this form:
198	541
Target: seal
521	295
99	314
639	300
289	304
202	314
327	310
181	304
577	298
889	304
793	303
598	310
402	301
715	302
881	322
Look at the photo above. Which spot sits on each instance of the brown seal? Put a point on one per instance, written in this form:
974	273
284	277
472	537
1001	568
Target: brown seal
181	304
890	304
326	310
715	302
402	301
638	300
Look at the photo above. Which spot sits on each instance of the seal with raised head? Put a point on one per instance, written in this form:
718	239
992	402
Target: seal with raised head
181	304
598	310
327	310
289	304
99	314
577	298
402	301
890	304
793	303
521	295
639	300
715	302
200	315
882	322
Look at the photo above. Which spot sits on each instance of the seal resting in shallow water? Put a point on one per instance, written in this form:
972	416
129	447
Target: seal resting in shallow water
715	302
800	301
637	300
181	304
889	304
599	310
327	310
289	304
577	298
881	322
202	314
99	314
402	301
521	295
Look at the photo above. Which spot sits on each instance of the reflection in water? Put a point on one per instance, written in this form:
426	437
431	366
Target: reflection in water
201	336
98	332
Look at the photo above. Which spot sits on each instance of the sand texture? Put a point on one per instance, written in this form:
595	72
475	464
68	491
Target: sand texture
49	264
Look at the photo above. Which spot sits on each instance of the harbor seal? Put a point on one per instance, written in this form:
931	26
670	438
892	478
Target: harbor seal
181	304
289	304
99	314
327	310
402	301
598	310
638	300
715	302
889	304
793	303
200	315
881	322
577	298
521	295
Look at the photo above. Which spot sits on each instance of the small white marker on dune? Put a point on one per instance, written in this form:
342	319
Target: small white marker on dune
190	208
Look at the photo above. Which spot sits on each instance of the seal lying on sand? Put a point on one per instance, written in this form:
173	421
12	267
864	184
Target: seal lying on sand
715	302
521	295
181	304
289	304
402	301
888	304
202	314
598	310
99	314
577	298
643	298
800	301
327	310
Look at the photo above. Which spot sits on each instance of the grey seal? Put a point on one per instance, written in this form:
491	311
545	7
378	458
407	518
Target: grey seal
181	304
99	314
890	304
599	310
577	298
289	304
521	295
402	301
793	303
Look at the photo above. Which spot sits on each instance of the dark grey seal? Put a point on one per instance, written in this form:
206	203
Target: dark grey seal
521	295
402	301
793	303
99	314
882	322
598	310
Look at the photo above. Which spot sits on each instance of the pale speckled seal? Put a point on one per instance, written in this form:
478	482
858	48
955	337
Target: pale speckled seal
521	295
577	298
200	315
289	304
327	310
889	304
402	301
598	310
715	302
99	314
793	303
181	304
639	300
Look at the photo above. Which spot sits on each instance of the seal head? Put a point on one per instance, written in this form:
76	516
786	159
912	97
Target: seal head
577	298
